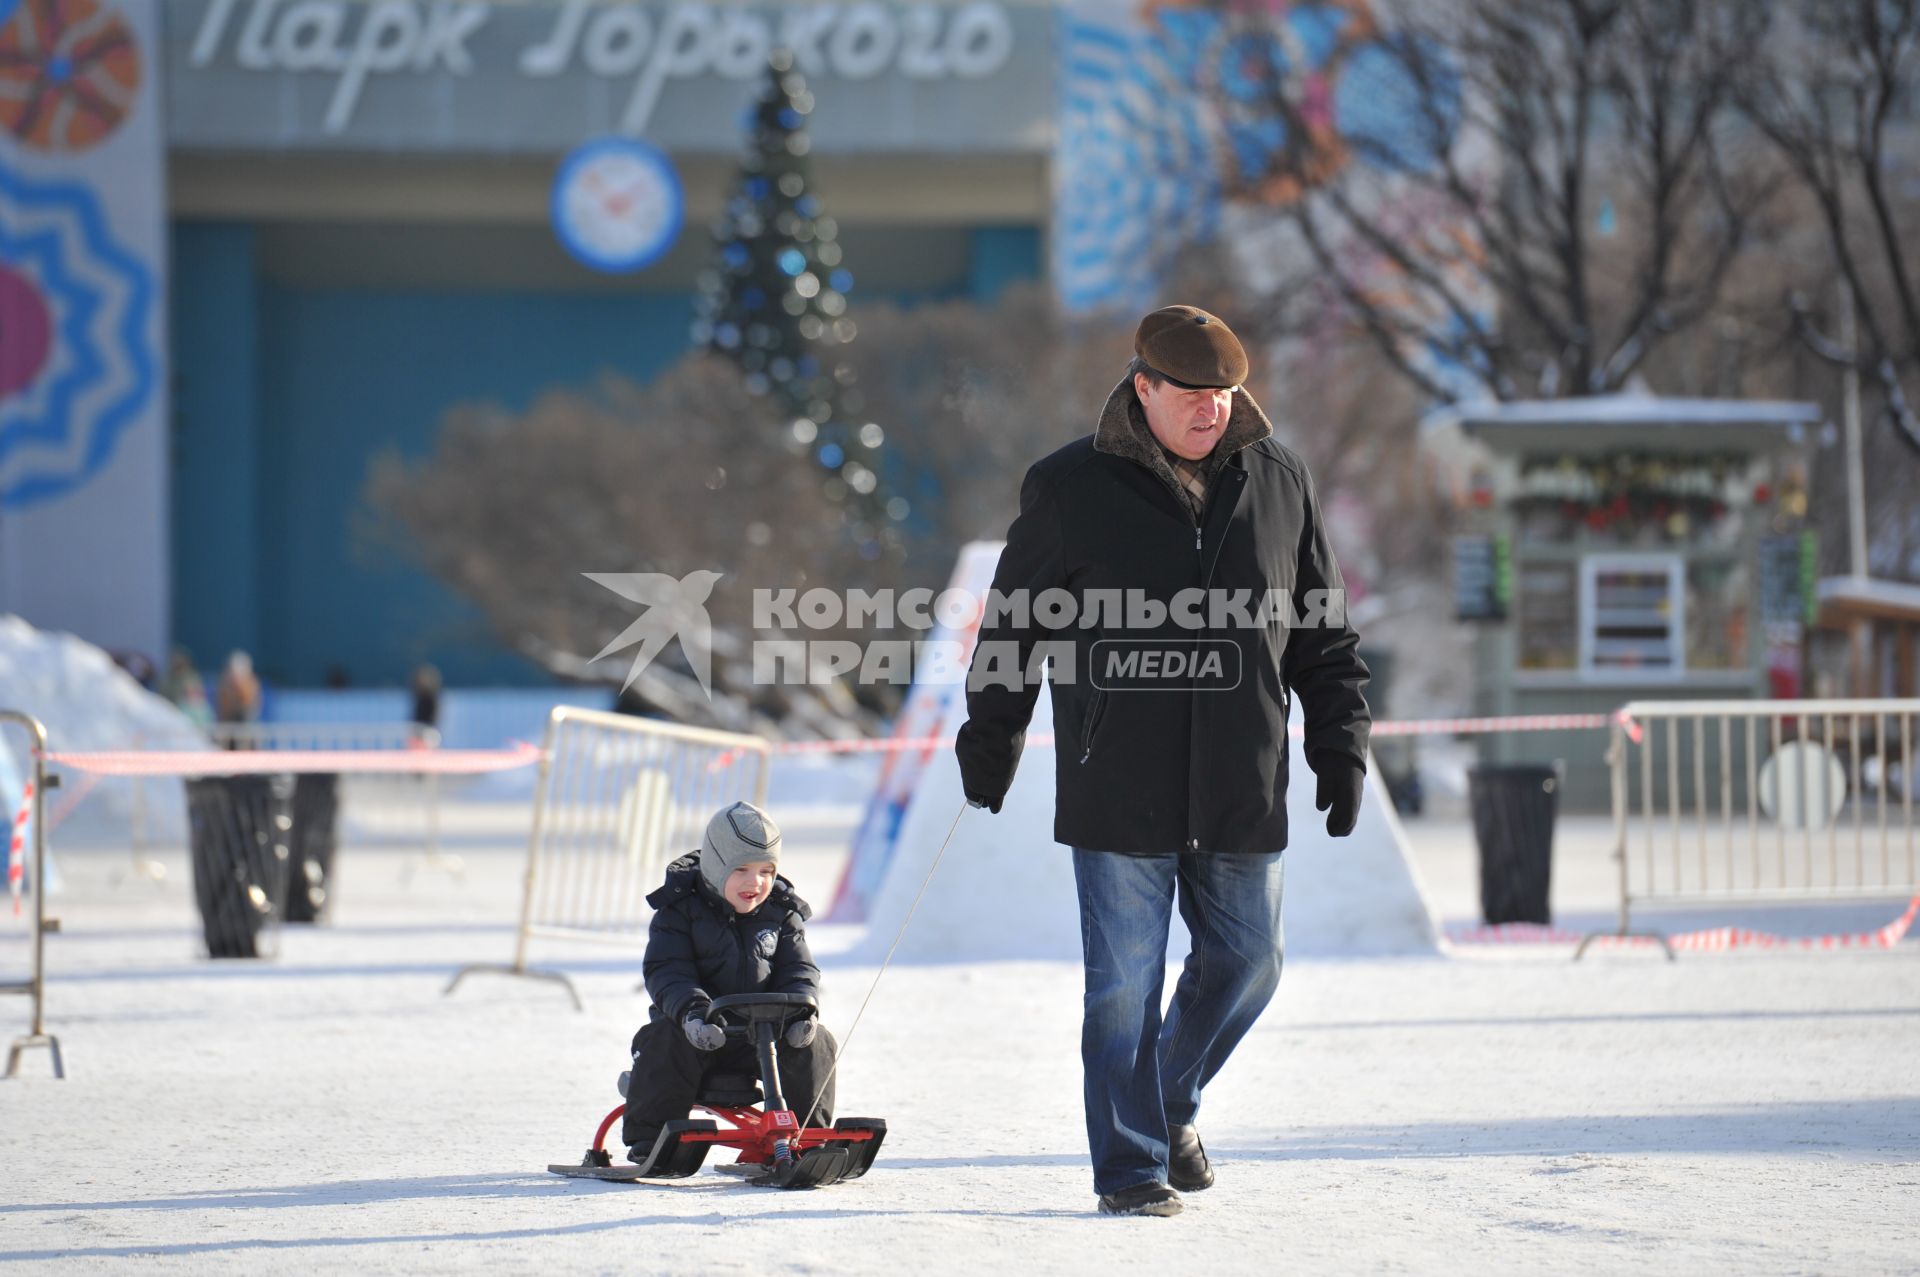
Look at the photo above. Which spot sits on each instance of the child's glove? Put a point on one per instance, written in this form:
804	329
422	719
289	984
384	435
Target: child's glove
800	1033
704	1036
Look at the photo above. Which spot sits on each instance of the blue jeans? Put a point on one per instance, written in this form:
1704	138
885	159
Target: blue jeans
1143	1075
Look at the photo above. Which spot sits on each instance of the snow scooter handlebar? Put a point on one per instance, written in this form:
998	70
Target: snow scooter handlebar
742	1012
760	1018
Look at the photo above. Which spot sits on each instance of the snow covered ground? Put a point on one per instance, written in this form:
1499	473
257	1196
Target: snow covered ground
1504	1111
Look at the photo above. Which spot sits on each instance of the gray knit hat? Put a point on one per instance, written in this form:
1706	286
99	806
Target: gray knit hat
737	835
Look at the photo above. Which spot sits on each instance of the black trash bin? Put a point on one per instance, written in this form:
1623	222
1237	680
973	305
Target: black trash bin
315	837
237	831
1513	808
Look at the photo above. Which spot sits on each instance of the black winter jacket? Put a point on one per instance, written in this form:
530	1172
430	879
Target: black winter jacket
699	948
1179	767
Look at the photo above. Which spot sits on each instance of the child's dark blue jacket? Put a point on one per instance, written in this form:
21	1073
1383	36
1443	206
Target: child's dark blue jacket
699	948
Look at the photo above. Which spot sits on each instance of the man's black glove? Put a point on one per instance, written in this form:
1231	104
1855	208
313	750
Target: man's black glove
987	790
1338	791
974	789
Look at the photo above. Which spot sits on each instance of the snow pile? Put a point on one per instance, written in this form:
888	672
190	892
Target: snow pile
1005	889
86	702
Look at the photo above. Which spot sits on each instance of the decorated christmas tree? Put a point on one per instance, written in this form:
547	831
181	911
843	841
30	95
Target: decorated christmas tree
774	302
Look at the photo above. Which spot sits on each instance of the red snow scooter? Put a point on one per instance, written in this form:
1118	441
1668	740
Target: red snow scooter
774	1150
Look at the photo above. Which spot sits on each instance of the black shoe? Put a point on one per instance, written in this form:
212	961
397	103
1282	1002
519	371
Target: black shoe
640	1149
1187	1166
1142	1199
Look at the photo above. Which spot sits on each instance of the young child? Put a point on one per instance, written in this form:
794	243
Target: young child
724	922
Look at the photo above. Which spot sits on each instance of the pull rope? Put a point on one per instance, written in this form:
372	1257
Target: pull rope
821	1090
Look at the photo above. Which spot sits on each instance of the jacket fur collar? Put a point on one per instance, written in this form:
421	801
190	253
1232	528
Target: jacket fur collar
1123	431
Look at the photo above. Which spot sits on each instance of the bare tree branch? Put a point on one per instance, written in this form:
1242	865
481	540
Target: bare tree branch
1530	114
1827	99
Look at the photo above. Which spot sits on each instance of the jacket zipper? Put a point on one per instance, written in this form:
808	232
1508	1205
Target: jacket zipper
1224	474
1200	552
744	963
1096	710
749	957
1193	844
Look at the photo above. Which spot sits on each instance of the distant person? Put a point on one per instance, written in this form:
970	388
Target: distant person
138	666
337	678
186	689
426	696
236	698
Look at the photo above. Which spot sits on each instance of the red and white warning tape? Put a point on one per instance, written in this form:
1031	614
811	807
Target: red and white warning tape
882	745
140	762
1712	940
17	847
235	762
1483	726
1391	727
470	761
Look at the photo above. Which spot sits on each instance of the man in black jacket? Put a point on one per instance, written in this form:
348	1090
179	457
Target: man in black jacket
1174	568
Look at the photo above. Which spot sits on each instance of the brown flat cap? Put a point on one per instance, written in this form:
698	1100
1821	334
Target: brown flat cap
1191	348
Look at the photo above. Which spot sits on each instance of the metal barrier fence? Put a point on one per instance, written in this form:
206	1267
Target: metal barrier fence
618	797
35	985
1730	802
402	806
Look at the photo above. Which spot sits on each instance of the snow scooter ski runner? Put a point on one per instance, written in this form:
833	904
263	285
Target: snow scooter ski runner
775	1150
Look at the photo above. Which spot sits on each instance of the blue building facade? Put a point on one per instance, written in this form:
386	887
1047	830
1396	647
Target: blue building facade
332	222
340	284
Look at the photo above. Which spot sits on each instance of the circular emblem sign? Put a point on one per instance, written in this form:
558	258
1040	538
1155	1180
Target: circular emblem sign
69	73
617	204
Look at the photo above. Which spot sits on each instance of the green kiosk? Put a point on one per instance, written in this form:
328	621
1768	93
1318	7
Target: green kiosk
1628	547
